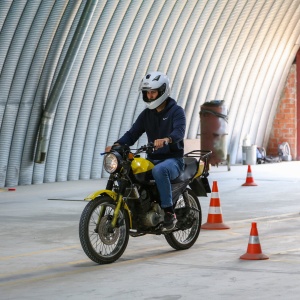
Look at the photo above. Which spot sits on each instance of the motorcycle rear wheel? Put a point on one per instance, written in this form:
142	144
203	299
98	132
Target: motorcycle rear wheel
185	239
99	243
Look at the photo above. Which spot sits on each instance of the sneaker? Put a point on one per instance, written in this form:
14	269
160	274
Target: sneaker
169	221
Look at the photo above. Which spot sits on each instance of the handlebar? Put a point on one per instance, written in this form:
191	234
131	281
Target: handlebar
149	148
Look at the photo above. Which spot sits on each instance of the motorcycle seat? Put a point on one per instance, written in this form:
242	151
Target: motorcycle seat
190	169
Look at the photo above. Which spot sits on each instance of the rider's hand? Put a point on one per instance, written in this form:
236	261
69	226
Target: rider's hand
108	148
159	143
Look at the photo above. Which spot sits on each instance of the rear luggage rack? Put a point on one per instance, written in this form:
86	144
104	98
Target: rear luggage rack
201	155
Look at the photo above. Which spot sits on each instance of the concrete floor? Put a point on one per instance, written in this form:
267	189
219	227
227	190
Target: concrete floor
41	257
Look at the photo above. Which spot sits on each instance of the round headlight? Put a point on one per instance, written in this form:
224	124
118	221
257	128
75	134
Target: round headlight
110	163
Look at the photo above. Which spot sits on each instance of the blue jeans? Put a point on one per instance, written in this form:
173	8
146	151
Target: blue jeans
163	172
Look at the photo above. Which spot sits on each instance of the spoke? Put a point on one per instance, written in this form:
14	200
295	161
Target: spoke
104	242
185	236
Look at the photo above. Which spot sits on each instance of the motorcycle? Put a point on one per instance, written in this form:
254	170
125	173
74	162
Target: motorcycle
130	204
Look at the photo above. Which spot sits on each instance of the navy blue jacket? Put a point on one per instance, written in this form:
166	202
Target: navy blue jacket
170	122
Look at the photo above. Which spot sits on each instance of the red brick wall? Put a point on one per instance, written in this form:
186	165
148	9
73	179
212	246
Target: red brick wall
284	124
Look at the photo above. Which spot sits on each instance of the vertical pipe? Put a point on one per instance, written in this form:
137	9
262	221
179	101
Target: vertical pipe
298	103
51	105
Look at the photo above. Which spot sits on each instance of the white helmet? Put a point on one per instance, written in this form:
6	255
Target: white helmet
155	81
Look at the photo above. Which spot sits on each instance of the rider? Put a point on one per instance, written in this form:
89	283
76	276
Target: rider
164	123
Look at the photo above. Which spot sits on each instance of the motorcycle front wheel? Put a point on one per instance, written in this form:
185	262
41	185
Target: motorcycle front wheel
100	242
185	239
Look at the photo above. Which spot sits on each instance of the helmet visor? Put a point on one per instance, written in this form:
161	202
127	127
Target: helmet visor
150	95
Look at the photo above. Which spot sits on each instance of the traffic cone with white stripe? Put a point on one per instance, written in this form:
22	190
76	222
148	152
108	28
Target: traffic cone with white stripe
254	250
214	218
249	178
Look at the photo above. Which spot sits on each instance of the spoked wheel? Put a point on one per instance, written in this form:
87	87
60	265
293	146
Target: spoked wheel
189	222
100	242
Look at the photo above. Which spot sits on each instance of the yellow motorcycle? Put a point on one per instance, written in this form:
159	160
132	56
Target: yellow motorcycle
130	204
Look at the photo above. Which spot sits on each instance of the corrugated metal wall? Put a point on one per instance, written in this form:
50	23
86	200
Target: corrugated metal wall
236	50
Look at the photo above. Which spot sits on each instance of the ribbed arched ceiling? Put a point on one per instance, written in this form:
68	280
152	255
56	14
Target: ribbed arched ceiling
239	51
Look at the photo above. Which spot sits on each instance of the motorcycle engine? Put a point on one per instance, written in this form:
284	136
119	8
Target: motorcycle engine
153	217
145	201
149	212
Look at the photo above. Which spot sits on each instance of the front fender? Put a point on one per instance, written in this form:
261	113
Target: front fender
112	195
96	194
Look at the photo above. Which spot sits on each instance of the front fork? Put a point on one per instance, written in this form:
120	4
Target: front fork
115	215
117	210
109	186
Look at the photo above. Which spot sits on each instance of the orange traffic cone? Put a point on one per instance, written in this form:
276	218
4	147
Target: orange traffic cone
254	249
215	219
249	178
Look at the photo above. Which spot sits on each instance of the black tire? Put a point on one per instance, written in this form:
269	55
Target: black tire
98	243
185	239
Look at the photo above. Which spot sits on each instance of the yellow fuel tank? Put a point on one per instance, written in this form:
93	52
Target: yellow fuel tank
141	165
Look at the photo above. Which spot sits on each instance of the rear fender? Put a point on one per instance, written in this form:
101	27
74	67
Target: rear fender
113	195
200	186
